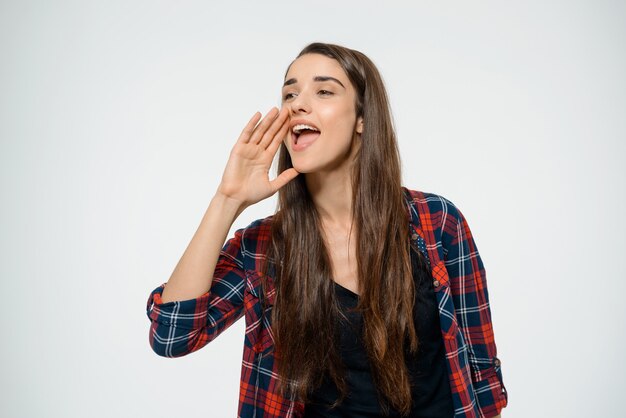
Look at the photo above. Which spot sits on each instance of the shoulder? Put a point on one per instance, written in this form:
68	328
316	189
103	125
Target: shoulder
258	226
252	242
441	210
257	230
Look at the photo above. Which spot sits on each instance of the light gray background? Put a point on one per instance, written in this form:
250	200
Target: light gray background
117	119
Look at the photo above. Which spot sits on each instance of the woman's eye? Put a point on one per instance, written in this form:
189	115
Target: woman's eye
288	96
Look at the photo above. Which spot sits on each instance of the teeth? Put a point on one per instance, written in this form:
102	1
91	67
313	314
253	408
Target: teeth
298	128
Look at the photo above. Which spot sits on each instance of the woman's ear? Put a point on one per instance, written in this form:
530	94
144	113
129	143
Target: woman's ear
359	126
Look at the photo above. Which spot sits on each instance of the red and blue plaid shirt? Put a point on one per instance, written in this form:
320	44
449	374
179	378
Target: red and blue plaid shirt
439	230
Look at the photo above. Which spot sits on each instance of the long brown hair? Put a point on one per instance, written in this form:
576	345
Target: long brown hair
305	311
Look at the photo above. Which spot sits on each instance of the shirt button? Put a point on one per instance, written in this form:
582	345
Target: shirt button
414	237
496	362
436	283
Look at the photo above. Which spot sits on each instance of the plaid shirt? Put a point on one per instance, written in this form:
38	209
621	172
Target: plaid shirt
437	228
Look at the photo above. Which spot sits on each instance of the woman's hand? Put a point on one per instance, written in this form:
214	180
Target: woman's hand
246	176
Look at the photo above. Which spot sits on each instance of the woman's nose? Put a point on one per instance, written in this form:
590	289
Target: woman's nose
300	104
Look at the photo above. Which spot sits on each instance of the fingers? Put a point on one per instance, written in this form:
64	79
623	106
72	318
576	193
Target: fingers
249	128
278	138
263	126
270	132
277	126
284	178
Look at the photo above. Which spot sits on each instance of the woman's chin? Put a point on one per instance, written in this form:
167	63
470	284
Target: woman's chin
302	168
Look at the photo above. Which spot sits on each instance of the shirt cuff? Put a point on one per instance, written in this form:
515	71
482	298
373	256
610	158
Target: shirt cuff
185	314
490	391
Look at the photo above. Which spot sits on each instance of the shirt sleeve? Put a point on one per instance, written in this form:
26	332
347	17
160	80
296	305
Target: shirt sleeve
182	327
468	283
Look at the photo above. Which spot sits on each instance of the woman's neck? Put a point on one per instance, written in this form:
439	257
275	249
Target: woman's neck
332	195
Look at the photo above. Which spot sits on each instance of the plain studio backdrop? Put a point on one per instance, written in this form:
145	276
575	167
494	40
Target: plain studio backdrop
117	119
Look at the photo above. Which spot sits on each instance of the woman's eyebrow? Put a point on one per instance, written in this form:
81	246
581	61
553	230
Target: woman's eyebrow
318	78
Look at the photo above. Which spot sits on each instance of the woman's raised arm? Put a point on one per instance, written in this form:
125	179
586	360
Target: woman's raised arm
245	181
204	294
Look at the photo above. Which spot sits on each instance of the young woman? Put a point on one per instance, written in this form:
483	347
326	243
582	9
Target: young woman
362	298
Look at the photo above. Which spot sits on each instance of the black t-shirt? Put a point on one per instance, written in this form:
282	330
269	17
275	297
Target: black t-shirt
431	390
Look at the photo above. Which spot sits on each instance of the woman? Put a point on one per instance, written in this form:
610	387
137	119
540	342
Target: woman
362	298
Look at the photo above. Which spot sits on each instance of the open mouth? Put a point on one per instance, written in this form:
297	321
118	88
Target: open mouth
304	134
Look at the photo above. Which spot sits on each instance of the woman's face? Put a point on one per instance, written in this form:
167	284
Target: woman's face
317	92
